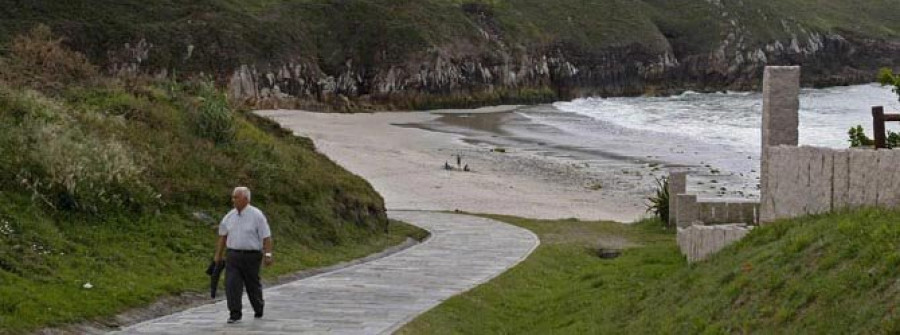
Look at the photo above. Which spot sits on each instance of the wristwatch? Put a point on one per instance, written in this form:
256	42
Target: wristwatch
269	254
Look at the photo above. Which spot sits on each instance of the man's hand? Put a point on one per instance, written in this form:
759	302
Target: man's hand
267	254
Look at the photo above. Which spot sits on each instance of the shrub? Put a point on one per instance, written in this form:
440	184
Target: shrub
40	61
887	78
211	116
858	138
65	165
659	202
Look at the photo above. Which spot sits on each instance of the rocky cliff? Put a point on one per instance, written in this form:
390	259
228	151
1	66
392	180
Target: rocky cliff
358	55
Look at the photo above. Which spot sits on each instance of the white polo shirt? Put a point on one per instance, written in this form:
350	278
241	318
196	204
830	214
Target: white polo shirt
245	230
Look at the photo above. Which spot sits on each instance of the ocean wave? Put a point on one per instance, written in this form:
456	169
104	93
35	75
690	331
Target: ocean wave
733	118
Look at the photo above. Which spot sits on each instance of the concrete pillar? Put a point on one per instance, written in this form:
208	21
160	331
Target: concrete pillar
687	210
677	185
781	117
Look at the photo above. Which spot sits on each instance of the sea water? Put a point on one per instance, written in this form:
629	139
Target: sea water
717	131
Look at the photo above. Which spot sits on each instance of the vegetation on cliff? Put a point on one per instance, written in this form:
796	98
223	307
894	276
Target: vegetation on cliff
120	182
433	53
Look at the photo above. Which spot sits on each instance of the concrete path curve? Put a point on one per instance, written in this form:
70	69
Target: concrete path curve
376	297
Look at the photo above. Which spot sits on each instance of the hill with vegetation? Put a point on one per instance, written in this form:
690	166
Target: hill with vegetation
358	55
828	274
111	189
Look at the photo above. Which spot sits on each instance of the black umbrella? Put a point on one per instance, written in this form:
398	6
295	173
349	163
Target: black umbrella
214	270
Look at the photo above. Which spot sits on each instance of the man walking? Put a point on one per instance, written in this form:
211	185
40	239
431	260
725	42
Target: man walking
245	242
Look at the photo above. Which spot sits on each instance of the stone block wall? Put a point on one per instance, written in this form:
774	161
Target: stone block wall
698	242
690	211
686	209
794	181
809	180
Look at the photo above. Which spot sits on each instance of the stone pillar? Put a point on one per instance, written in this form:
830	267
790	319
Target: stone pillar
687	210
677	185
780	117
781	104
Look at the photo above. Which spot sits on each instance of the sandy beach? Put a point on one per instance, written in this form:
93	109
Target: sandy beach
405	162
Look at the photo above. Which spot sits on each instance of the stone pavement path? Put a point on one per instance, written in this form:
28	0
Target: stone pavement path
376	297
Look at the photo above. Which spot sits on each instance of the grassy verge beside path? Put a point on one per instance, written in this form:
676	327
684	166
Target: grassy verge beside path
119	182
835	273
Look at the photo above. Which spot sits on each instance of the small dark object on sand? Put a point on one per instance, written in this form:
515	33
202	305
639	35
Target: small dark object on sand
447	166
466	168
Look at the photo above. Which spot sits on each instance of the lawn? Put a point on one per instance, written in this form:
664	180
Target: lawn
835	273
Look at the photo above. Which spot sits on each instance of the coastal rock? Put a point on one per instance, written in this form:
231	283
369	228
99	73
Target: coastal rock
479	53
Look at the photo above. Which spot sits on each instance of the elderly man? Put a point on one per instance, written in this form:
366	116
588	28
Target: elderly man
244	233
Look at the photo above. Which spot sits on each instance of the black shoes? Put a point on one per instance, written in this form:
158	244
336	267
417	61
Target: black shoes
232	320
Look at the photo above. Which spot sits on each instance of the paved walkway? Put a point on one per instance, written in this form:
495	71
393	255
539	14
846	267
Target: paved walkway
375	297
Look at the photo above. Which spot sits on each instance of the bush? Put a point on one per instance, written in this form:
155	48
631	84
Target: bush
858	136
859	139
659	202
40	61
211	116
63	164
887	78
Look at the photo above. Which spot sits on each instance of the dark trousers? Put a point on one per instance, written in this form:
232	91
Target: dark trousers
242	269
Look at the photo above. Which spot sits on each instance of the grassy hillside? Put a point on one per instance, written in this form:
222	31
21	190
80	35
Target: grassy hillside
830	274
347	29
225	33
120	182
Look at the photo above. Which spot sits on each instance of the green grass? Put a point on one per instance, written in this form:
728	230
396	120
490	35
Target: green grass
368	37
383	32
102	180
130	264
563	286
834	273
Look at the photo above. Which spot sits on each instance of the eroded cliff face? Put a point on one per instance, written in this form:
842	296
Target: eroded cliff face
560	72
494	68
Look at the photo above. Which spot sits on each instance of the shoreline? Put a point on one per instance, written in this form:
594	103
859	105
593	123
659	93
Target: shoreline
405	163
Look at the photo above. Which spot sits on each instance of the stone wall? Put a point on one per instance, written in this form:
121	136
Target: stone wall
797	181
705	227
692	211
794	181
686	209
808	180
698	242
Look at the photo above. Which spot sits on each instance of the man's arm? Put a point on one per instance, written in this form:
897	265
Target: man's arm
220	248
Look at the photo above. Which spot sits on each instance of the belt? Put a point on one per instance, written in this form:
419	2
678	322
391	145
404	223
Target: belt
244	251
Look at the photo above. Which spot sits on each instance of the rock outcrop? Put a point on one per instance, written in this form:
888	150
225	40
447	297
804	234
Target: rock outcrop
357	55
